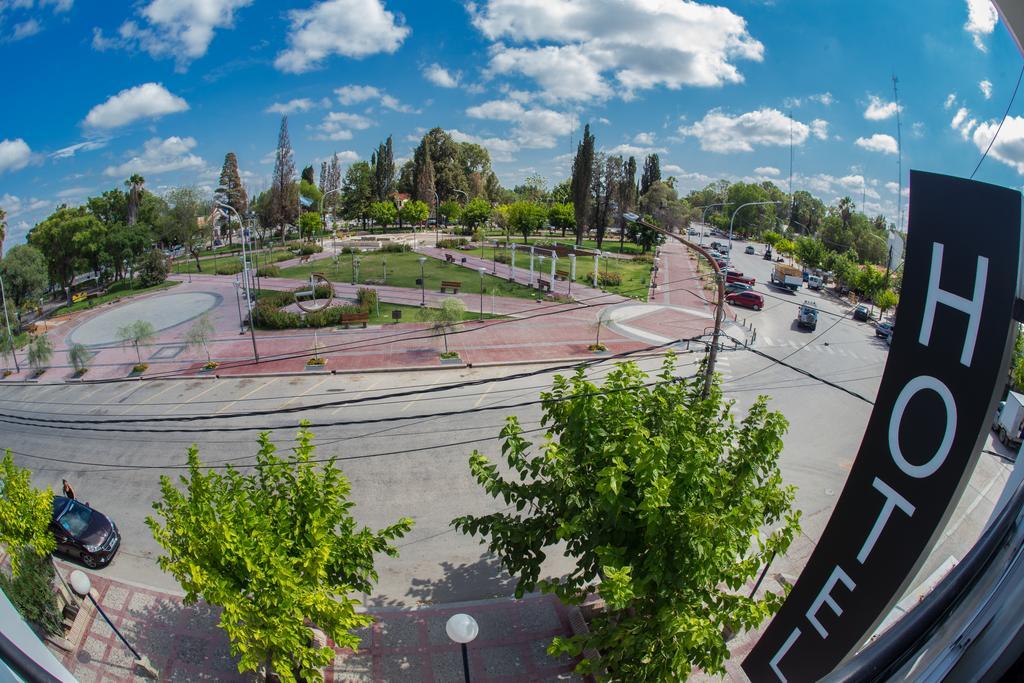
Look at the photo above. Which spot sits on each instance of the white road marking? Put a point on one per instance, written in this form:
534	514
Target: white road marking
213	385
767	340
246	395
310	389
357	394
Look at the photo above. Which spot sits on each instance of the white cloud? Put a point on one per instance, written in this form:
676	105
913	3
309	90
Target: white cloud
981	21
71	150
824	98
950	100
291	106
595	49
160	156
892	187
961	114
857	183
500	149
917	129
766	170
351	28
878	142
392	103
535	127
73	192
338	125
986	88
628	150
1009	146
182	29
965	130
819	129
25	29
347	157
644	138
142	101
15	206
719	132
672	168
354	94
14	154
442	77
878	110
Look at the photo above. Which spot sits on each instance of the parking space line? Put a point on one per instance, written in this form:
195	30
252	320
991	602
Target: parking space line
357	394
170	385
306	391
412	402
246	395
483	395
767	340
213	385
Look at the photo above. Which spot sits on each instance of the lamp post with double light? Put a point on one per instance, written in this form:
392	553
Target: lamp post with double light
423	285
740	208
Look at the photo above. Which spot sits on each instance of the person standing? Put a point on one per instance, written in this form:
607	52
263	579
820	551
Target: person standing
68	491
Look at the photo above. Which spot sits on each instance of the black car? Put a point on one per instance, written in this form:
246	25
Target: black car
861	313
83	533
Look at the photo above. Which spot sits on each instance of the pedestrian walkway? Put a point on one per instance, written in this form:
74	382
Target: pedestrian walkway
185	643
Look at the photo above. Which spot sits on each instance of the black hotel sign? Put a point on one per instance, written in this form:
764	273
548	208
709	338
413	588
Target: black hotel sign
934	408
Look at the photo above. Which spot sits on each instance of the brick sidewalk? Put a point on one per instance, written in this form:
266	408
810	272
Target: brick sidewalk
185	643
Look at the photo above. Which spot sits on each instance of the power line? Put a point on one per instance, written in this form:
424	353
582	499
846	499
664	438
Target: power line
1000	126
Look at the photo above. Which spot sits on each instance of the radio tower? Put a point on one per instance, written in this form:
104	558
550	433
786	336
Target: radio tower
899	155
790	226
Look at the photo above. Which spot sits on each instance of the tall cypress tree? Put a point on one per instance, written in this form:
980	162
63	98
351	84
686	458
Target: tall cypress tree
231	183
284	194
383	164
627	196
424	173
582	174
652	173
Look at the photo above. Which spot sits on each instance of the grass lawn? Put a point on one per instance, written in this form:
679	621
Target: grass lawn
610	244
119	290
403	269
184	265
412	314
635	275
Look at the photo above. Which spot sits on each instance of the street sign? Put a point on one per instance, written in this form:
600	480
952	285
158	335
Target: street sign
932	414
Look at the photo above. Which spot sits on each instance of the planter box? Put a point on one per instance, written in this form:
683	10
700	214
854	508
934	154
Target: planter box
451	361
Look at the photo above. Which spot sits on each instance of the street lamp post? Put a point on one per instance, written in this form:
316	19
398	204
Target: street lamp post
572	271
437	217
423	286
483	271
7	317
81	584
238	303
245	279
738	209
322	198
704	218
462	629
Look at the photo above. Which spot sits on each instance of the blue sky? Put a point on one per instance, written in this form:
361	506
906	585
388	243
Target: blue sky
99	90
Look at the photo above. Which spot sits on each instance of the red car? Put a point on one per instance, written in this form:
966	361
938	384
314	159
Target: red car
746	299
735	276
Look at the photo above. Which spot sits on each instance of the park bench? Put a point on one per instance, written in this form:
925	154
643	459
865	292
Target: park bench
449	258
80	296
543	285
561	274
453	285
353	318
304	258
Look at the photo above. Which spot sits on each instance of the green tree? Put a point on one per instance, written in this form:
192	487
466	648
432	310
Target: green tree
135	189
674	508
450	211
310	224
58	238
383	172
810	252
181	223
562	216
785	247
383	213
137	333
24	273
1017	363
476	212
582	175
25	514
39	352
277	548
651	173
885	300
357	191
526	218
200	334
770	237
153	269
445	318
79	355
310	192
284	193
414	211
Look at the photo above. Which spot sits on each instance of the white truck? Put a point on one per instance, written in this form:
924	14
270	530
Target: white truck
1009	420
787	277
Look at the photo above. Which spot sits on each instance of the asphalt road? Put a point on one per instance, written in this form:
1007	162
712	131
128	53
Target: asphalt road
406	460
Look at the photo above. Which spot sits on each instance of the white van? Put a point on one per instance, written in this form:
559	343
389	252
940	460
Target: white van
813	282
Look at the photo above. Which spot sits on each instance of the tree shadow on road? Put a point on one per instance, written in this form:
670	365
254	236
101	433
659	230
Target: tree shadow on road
480	580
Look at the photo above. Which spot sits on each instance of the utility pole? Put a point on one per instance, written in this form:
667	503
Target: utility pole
899	154
7	317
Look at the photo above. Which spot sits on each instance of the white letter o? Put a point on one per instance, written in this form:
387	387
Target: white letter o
913	386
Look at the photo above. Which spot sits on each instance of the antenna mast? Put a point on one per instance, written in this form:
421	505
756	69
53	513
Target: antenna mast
790	168
899	155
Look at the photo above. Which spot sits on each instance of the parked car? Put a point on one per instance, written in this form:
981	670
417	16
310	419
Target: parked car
748	299
83	533
884	330
807	316
733	276
691	232
861	313
749	249
733	287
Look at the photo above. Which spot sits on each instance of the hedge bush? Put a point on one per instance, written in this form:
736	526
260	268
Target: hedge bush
451	243
268	271
367	298
229	268
395	248
609	279
309	248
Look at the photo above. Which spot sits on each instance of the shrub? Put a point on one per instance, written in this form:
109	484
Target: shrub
503	257
394	248
153	269
268	271
367	298
478	235
451	243
276	299
349	250
270	317
643	258
31	592
229	268
282	256
309	248
609	279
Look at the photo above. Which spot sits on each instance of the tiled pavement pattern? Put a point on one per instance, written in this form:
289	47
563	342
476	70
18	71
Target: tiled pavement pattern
185	644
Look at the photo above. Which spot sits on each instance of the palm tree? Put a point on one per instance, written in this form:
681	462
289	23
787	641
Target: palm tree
134	185
137	333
